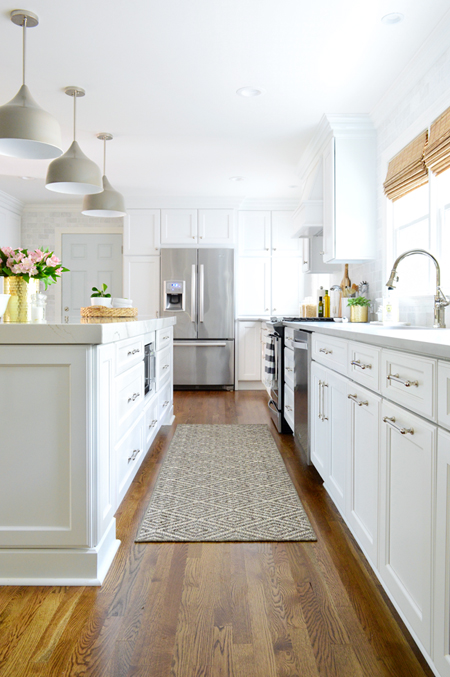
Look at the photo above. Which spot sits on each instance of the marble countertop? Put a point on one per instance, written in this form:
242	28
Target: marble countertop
78	332
422	340
245	318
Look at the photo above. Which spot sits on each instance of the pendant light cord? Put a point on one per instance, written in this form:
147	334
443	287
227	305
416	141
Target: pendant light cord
74	114
104	157
24	25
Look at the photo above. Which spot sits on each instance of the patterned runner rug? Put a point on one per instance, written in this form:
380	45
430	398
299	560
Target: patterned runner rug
224	483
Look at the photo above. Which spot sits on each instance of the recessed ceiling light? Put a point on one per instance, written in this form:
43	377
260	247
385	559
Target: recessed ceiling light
249	91
293	186
393	18
236	178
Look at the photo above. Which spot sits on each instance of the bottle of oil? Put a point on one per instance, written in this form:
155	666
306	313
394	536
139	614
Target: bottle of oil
326	304
346	282
320	307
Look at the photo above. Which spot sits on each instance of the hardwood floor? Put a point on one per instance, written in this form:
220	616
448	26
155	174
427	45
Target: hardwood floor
215	609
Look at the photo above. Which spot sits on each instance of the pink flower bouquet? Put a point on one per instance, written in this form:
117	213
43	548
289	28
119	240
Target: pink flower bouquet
40	265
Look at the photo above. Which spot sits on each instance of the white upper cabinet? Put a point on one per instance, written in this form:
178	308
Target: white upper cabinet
141	232
141	284
253	289
287	286
215	226
283	229
178	226
254	233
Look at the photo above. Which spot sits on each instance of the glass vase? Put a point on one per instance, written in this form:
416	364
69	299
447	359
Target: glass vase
19	305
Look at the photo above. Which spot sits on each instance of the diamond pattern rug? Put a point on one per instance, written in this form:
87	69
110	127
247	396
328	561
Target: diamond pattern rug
224	483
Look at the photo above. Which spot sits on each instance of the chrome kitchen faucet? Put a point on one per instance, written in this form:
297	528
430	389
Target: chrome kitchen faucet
440	300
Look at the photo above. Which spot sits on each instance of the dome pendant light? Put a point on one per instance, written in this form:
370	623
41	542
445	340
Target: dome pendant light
109	202
26	129
73	173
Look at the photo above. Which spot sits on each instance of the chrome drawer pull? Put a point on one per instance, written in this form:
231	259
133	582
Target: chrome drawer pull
289	369
390	420
326	351
133	455
133	397
164	338
166	366
407	384
153	423
133	352
360	403
324	385
361	365
289	408
320	404
166	403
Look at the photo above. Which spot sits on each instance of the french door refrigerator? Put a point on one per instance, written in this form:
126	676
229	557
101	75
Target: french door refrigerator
197	288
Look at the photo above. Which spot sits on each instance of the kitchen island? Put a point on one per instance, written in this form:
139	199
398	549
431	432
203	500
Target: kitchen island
76	423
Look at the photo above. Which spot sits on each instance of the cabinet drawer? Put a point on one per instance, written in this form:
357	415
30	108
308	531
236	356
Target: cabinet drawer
163	366
150	421
364	364
409	380
129	454
165	398
289	367
128	353
443	376
289	337
289	405
330	351
129	397
163	337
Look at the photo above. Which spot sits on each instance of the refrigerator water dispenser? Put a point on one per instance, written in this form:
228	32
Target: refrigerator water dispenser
175	295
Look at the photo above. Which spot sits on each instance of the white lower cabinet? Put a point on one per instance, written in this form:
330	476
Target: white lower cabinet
129	454
442	558
249	351
362	471
406	517
329	431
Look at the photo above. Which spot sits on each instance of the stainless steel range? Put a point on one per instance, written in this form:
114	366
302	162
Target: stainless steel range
276	401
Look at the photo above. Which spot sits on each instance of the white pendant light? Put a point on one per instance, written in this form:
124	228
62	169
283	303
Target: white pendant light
26	129
109	202
73	173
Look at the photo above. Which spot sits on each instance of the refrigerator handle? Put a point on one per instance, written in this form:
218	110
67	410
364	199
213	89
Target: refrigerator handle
193	293
202	293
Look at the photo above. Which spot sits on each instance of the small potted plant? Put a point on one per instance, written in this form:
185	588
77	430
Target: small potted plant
100	297
359	309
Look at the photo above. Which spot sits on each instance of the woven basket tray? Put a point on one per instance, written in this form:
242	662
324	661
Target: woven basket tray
101	311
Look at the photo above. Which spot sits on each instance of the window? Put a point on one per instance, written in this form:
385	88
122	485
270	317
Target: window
421	220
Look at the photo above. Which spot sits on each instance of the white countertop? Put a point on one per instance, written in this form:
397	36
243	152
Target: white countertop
421	340
78	332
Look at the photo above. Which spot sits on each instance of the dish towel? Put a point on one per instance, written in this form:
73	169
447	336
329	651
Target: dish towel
269	362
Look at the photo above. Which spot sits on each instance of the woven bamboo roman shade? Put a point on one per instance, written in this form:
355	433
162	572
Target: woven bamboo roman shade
407	170
437	150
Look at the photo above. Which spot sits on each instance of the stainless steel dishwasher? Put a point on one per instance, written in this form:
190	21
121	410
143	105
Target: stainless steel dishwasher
302	367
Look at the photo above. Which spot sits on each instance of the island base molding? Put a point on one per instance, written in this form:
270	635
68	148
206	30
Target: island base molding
59	566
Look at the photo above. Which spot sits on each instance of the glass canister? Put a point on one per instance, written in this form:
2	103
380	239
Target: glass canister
38	308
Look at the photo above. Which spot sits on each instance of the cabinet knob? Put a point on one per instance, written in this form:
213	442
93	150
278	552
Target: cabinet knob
66	308
274	249
321	253
193	237
267	249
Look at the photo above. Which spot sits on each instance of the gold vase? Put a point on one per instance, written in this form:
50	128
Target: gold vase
359	313
19	305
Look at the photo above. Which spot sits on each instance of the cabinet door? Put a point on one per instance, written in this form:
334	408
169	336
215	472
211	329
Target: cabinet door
362	474
305	243
249	351
254	233
336	410
141	236
320	428
406	524
215	226
105	438
254	286
442	558
141	284
283	229
178	226
287	286
328	202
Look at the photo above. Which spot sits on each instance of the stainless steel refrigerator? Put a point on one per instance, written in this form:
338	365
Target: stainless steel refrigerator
197	288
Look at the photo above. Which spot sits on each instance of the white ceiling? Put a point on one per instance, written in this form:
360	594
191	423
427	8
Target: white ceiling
162	75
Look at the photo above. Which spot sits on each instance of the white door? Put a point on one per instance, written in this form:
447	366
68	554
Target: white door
253	292
406	523
442	558
336	412
141	284
287	286
179	226
141	235
362	473
215	226
320	425
249	351
283	229
254	233
93	259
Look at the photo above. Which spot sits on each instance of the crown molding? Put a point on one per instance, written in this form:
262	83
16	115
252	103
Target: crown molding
426	56
183	202
52	207
10	203
273	204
